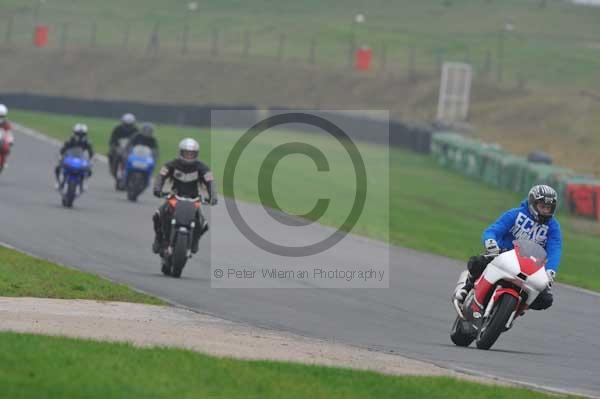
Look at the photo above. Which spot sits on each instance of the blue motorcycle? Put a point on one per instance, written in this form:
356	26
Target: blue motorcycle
138	171
75	168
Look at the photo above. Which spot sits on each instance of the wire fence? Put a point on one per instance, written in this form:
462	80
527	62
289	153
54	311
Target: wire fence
497	57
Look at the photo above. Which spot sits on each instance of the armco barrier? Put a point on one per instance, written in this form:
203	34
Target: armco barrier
411	136
496	167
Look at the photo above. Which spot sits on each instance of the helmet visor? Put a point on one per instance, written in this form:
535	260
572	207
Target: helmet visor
189	155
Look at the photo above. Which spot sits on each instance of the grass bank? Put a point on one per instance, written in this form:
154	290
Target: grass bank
25	276
66	368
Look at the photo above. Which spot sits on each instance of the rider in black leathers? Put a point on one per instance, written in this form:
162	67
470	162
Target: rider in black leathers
187	174
78	140
145	137
125	130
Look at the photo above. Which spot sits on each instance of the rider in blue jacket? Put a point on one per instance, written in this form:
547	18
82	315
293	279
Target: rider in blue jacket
533	220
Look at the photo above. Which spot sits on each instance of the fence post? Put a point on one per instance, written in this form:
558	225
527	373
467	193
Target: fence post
93	33
312	55
184	39
9	28
500	62
439	60
64	34
467	59
126	35
246	49
487	63
281	47
351	50
215	42
153	44
383	57
412	55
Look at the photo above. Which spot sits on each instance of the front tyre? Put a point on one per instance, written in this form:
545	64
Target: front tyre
458	335
179	256
69	195
495	323
135	186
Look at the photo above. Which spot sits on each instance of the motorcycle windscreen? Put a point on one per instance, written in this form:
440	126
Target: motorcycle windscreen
141	158
142	151
76	158
185	213
531	250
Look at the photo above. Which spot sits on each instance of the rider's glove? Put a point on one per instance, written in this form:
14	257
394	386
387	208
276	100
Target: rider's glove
551	274
213	201
491	247
157	193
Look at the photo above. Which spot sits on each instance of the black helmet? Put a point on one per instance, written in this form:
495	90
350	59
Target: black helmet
147	129
542	194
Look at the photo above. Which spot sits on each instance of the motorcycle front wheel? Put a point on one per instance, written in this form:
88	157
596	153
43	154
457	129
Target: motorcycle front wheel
179	256
495	323
69	195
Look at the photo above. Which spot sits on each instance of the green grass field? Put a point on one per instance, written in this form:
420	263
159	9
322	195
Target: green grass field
457	30
430	209
25	276
33	366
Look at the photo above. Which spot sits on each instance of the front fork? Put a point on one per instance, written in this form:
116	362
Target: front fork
174	234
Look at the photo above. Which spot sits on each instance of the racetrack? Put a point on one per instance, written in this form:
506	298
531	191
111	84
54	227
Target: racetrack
106	234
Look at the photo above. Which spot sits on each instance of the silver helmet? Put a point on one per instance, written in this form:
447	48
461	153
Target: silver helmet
542	195
188	150
128	119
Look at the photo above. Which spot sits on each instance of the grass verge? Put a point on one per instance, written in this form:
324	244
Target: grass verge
430	209
25	276
64	368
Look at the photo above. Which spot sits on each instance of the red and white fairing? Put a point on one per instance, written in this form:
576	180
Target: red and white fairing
525	272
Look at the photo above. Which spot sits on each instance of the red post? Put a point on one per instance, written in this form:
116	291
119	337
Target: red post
363	58
40	37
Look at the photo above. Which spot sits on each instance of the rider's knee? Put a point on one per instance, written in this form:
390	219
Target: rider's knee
543	301
476	265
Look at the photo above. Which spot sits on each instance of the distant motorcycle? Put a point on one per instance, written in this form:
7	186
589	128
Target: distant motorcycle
138	171
508	285
75	168
5	144
120	157
180	234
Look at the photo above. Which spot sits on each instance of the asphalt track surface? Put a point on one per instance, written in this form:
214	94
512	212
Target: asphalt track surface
106	234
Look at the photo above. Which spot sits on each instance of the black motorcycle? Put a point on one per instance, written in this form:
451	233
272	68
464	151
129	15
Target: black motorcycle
180	233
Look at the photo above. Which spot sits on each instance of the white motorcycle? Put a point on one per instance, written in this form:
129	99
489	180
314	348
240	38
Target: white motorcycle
508	285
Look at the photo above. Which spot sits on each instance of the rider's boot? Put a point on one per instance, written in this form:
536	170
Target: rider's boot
198	233
157	244
465	283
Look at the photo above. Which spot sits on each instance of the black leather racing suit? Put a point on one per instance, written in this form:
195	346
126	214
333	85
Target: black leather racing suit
122	131
74	142
141	139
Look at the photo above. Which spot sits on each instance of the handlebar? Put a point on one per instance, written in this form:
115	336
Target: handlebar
203	200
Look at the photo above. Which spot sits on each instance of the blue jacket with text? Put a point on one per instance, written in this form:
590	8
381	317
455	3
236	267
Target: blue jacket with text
518	224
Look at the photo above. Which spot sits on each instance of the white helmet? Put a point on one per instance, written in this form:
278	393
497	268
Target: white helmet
3	112
128	119
188	150
80	130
